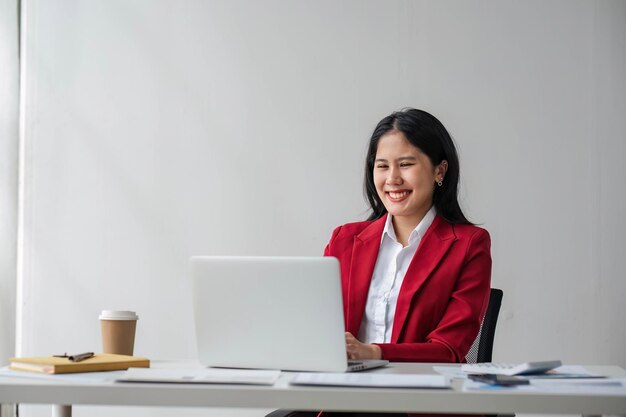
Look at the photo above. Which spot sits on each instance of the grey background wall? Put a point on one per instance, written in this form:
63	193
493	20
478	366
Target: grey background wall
158	130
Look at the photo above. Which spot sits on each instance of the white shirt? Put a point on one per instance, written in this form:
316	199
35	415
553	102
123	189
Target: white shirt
391	266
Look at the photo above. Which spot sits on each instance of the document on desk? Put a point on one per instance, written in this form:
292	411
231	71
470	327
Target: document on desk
562	372
81	377
201	376
374	380
616	386
608	386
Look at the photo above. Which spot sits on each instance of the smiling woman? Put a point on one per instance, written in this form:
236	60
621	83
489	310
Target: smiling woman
416	275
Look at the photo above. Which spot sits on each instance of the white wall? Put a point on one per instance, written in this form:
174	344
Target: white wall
158	130
9	99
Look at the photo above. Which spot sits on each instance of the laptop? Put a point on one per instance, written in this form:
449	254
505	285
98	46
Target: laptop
280	313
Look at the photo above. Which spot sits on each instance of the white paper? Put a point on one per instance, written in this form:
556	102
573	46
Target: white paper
452	371
565	371
201	376
372	380
616	386
581	386
82	377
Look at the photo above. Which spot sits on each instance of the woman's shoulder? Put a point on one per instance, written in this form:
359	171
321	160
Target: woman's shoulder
352	229
363	230
469	229
470	232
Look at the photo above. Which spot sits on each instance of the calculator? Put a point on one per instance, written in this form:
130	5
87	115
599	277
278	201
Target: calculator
526	368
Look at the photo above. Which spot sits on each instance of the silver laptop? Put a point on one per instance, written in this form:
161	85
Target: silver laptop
271	313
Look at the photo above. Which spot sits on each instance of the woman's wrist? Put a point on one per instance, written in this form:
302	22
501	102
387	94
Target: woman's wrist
377	352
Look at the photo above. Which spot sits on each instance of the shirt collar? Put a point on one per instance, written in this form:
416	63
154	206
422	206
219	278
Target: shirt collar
417	233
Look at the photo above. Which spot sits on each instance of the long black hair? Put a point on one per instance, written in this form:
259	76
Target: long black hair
426	133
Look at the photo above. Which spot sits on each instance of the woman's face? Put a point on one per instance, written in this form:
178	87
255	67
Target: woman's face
404	177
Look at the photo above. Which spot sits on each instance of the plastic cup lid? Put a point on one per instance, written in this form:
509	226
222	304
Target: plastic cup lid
118	315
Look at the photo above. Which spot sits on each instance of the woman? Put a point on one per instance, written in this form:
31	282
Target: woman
416	275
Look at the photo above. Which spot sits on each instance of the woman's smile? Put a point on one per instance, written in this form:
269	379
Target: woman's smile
397	196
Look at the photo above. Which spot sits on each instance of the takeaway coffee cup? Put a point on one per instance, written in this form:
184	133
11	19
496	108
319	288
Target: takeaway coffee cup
118	331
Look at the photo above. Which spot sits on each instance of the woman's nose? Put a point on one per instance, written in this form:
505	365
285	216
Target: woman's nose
394	177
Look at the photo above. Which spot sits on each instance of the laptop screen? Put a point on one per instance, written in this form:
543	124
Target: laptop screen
269	312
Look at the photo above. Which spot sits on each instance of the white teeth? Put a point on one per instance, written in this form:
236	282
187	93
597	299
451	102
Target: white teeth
398	195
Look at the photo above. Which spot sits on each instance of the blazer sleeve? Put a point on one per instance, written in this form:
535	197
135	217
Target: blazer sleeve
451	339
333	237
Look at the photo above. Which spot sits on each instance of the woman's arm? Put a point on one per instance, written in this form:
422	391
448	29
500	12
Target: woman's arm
453	336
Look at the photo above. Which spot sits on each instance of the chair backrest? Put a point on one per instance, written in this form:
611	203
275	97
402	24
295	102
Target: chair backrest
483	345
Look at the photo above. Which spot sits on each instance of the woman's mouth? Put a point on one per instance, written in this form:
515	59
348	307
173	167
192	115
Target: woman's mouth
398	196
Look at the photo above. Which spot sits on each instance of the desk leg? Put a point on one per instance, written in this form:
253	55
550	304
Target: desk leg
8	410
59	410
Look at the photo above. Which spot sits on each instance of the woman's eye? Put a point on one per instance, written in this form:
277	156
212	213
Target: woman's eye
406	164
381	166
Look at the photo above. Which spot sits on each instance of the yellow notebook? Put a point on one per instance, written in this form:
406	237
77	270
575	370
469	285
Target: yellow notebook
99	362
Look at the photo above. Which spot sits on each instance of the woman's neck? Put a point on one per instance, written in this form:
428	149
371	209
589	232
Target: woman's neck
404	225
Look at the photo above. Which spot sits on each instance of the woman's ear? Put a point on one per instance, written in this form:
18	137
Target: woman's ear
440	171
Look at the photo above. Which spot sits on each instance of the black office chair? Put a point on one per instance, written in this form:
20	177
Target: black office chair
480	351
482	347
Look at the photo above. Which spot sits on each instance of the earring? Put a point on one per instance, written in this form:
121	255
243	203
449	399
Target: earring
440	182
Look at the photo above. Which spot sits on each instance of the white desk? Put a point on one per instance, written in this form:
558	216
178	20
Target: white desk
15	390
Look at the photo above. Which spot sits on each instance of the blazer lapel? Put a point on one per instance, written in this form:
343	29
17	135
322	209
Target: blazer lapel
364	254
434	245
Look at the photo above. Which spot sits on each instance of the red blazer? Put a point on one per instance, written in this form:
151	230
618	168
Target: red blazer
443	297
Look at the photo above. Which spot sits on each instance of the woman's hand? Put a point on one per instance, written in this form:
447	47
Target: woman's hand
358	350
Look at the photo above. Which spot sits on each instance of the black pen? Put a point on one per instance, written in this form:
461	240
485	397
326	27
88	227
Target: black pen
80	356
